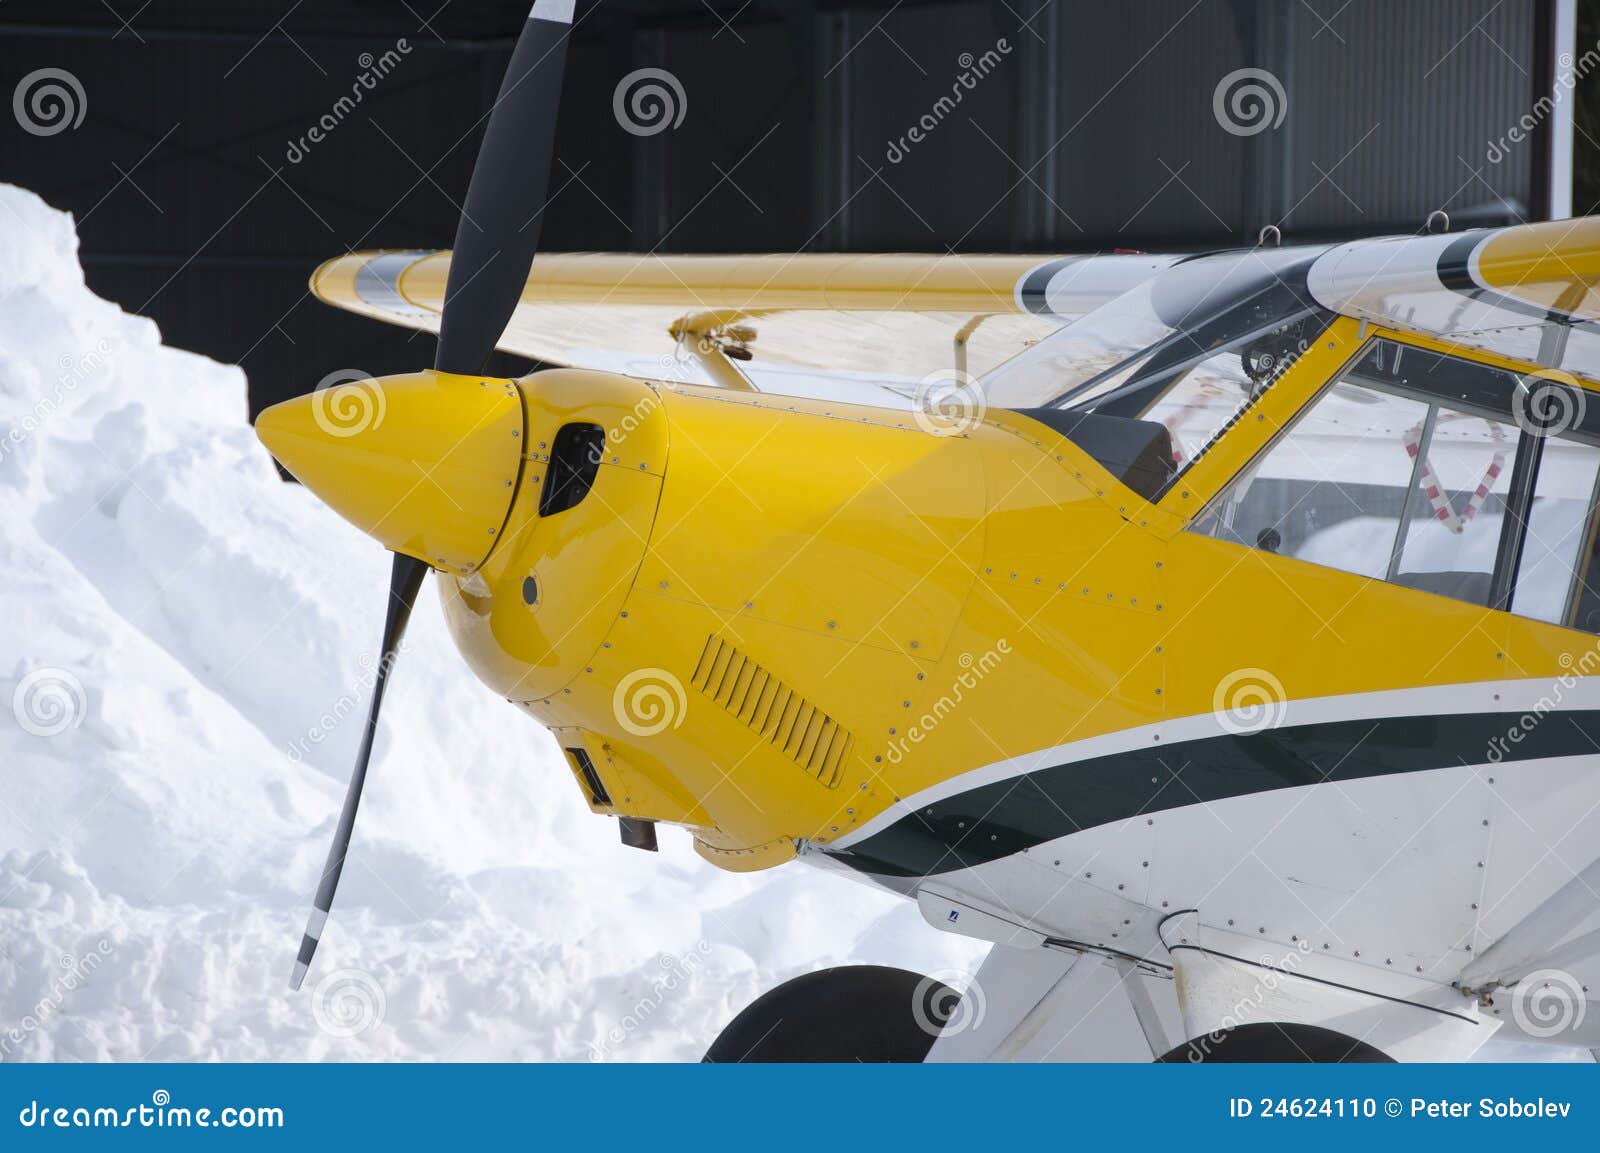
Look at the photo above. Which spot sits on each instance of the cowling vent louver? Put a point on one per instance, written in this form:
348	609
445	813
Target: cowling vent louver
763	703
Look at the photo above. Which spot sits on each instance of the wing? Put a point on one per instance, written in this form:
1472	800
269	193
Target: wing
872	327
864	328
1530	292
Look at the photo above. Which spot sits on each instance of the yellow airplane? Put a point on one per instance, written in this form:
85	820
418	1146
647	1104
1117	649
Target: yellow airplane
1215	632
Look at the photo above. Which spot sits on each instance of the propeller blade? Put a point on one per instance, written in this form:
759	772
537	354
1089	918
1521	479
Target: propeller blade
499	230
405	580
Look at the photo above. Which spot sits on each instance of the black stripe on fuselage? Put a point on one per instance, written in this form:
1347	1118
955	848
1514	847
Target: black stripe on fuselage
1455	273
996	820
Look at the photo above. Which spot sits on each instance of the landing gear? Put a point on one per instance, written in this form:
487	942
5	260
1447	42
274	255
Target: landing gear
1276	1043
852	1013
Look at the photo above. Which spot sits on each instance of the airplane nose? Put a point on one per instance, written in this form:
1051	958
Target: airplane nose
425	462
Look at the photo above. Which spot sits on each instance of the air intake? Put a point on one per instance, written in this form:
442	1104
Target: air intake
591	777
790	723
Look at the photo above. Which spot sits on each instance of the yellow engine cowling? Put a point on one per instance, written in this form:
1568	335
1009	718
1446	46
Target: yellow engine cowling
677	627
806	612
531	618
737	606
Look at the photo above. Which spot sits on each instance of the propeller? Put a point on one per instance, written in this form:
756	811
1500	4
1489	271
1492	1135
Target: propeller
405	581
495	244
498	233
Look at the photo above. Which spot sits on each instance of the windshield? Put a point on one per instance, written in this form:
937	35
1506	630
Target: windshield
1187	349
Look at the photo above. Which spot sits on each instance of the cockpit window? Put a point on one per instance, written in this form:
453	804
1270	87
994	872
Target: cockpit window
1426	471
1187	350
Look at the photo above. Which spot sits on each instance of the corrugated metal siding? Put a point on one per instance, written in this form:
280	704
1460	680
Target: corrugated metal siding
1141	157
1433	81
1108	109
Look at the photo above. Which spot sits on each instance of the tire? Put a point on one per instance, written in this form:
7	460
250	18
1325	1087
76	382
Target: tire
1278	1043
851	1013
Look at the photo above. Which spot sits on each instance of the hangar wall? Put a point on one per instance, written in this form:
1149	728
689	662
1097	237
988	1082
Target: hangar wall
1079	126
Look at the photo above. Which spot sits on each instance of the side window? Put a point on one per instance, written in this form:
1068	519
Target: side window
1561	532
1456	505
1206	398
1333	489
1195	385
1413	468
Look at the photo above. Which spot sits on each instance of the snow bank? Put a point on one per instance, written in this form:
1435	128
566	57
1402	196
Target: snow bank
186	647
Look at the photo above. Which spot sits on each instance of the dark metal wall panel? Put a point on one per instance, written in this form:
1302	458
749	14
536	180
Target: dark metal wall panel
932	161
1388	112
738	170
1140	157
1393	108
